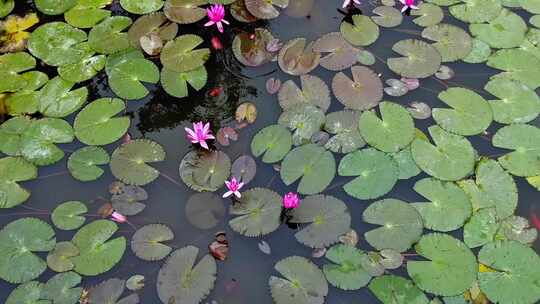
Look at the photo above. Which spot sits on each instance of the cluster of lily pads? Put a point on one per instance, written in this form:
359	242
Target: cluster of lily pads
370	142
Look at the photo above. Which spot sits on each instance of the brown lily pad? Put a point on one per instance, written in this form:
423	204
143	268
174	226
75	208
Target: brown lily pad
363	92
297	58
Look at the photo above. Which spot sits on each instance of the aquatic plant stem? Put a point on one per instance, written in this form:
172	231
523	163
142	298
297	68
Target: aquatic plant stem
52	174
172	180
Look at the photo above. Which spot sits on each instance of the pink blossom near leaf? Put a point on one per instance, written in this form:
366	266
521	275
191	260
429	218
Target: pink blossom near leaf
411	83
225	134
273	85
118	217
408	4
200	134
234	187
291	200
216	14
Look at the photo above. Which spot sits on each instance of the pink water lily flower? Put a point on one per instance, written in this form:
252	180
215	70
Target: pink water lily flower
200	134
234	188
291	200
408	4
118	217
216	14
348	2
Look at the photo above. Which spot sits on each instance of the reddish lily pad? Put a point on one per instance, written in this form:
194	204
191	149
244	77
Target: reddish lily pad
362	93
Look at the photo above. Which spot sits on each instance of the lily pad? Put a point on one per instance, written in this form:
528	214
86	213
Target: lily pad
451	268
179	55
180	280
513	272
62	288
480	52
107	37
525	141
11	65
363	92
312	165
175	84
345	272
58	43
390	133
110	291
205	210
29	292
54	7
205	171
429	14
452	42
481	228
83	163
87	14
141	7
244	168
297	58
344	126
251	48
57	100
376	173
304	119
406	166
420	59
451	158
387	16
129	201
97	253
362	32
507	30
14	170
69	215
126	78
341	55
517	103
517	64
328	219
147	245
274	142
391	289
449	207
302	283
83	70
265	9
129	161
59	259
19	240
314	92
258	211
476	11
471	113
96	124
400	225
184	11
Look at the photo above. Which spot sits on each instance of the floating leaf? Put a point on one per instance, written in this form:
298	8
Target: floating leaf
12	171
480	52
273	85
419	110
452	42
69	215
246	111
312	164
180	55
96	124
513	274
83	163
83	70
175	83
297	58
126	78
451	158
264	9
180	280
150	25
205	171
314	92
362	32
376	173
129	161
328	216
110	291
184	11
525	141
146	242
481	228
274	142
517	103
365	57
347	138
59	259
14	35
86	14
10	67
476	11
517	228
420	59
62	288
97	254
406	166
205	210
26	100
58	43
225	135
304	119
430	14
57	99
6	7
396	87
129	201
135	282
391	289
449	206
29	292
244	168
251	48
507	30
53	7
141	7
107	36
390	133
451	268
401	225
387	16
363	92
341	55
258	211
303	282
19	240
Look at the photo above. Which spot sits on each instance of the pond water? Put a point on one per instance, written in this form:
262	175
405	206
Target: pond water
243	277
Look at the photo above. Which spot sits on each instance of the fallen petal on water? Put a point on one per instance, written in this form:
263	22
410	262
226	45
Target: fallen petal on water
265	248
273	85
350	238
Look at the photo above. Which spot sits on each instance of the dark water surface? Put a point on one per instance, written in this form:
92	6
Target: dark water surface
161	118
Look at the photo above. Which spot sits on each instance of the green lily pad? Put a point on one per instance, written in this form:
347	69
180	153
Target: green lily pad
146	242
97	253
517	103
29	292
302	283
128	202
59	259
347	138
180	55
420	59
514	273
180	280
272	142
96	124
517	64
476	11
83	163
449	207
10	66
387	16
429	14
58	43
69	215
406	166
107	36
6	7
129	162
507	30
493	187
400	225
391	289
345	272
517	228
185	11
328	217
452	42
54	7
126	77
58	100
312	165
26	100
265	9
376	173
451	158
84	70
141	7
175	84
62	288
451	268
390	133
362	32
205	171
304	120
471	113
314	92
480	52
18	241
87	13
481	228
525	141
258	212
532	6
14	170
110	292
